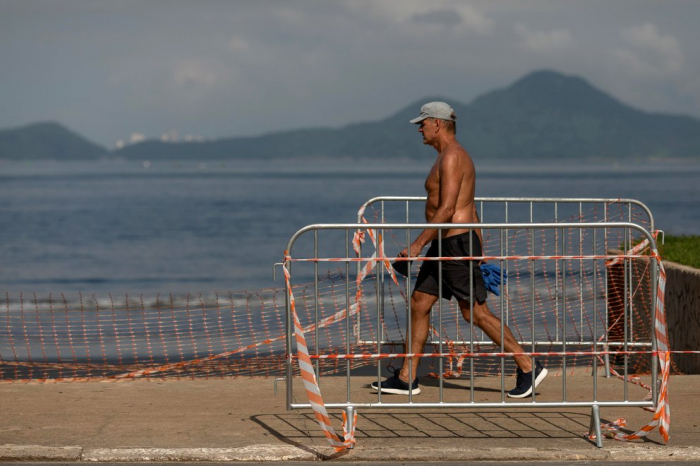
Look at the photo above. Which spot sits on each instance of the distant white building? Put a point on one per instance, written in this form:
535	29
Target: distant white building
170	136
135	138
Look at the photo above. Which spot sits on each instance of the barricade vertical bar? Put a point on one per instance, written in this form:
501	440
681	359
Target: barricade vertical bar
318	361
358	271
409	328
556	271
471	318
626	315
408	291
439	301
563	316
381	278
507	321
580	270
606	346
288	330
631	277
532	294
595	426
350	421
380	331
502	306
347	315
595	320
381	270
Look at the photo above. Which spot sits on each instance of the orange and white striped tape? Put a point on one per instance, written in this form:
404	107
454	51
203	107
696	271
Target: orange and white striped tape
313	391
662	415
304	358
378	242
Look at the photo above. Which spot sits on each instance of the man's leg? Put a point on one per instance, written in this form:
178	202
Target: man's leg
398	384
491	325
421	304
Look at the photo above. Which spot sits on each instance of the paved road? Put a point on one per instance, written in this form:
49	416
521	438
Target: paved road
242	420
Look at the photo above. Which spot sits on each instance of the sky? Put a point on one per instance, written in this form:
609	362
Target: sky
124	70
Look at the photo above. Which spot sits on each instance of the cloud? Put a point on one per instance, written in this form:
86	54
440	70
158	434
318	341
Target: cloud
196	74
448	18
475	19
238	44
457	16
541	41
649	53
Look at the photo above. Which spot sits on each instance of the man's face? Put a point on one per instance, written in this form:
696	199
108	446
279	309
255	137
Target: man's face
428	128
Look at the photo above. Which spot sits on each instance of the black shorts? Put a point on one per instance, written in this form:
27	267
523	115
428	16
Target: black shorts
455	274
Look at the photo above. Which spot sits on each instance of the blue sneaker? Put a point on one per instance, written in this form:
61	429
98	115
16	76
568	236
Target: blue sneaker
523	385
396	386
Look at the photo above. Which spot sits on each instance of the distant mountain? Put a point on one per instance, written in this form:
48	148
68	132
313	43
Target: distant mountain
546	114
543	115
47	141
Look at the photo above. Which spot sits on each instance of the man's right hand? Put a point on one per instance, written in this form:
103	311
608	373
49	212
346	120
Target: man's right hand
415	251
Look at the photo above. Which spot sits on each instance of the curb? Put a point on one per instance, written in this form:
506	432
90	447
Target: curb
249	453
270	452
39	453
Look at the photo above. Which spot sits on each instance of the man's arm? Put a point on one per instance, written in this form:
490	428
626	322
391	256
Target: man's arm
450	182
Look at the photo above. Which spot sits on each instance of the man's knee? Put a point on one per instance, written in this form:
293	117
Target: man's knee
480	311
422	303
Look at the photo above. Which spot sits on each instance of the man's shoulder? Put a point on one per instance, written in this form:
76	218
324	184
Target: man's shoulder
455	152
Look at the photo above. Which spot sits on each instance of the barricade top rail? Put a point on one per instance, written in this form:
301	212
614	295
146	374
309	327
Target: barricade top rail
554	200
483	226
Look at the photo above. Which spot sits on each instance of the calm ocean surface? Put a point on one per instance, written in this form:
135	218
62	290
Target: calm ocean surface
118	227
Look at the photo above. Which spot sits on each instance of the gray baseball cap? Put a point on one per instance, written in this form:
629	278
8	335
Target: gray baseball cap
439	110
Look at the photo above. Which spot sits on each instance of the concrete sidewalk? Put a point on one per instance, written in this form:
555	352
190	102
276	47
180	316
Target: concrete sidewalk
242	420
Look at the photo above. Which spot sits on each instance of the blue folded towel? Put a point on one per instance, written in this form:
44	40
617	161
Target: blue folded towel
492	278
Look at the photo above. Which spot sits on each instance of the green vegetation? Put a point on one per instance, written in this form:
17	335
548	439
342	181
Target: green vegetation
682	249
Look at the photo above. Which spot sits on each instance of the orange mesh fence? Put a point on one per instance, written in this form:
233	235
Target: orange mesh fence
59	337
80	338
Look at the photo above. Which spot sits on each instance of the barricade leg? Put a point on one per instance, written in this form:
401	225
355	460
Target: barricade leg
350	422
594	429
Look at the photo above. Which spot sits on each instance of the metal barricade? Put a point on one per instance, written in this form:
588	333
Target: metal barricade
517	250
531	210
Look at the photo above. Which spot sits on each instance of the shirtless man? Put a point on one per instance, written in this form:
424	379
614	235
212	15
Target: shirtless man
450	187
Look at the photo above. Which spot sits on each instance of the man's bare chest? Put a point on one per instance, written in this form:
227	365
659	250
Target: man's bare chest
432	182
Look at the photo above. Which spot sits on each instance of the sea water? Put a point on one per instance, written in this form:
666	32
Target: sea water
167	227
